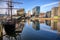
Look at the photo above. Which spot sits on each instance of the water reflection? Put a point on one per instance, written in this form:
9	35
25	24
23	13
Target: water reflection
36	25
30	34
20	26
28	21
29	31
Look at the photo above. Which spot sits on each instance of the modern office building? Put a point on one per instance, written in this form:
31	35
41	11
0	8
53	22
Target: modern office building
36	11
48	14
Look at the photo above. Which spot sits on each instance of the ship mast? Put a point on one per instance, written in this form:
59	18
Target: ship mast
10	7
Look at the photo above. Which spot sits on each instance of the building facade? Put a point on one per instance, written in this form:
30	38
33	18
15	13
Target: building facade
55	14
29	13
42	15
21	12
36	11
58	24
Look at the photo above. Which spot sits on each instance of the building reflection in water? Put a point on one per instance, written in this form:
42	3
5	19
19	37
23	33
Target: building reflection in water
20	26
28	21
36	25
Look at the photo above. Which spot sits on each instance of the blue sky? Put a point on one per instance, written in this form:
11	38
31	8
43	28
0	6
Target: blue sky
30	4
45	5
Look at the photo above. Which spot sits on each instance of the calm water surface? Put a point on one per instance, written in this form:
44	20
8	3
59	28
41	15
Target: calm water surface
37	31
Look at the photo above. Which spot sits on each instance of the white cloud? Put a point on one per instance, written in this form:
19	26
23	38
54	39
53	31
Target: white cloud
47	7
14	11
3	11
50	4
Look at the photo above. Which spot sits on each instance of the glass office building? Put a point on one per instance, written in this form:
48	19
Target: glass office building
36	10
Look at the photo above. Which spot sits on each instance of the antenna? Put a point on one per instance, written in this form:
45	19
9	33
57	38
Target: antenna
10	6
